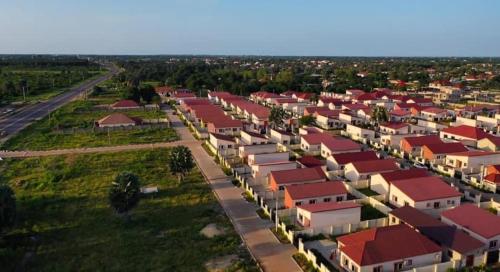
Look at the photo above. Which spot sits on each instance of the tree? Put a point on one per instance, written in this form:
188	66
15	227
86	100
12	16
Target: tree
147	93
7	207
131	93
277	116
306	120
124	193
380	114
180	161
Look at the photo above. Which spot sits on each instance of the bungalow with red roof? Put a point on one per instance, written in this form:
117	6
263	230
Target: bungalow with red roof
270	157
412	146
365	114
118	120
311	143
338	145
354	107
350	118
179	97
422	102
394	128
225	126
471	162
312	193
261	171
338	161
164	91
491	143
223	144
310	162
126	104
433	114
362	170
478	223
429	194
399	116
252	138
322	216
277	180
491	179
391	248
381	183
436	153
359	133
354	92
456	244
281	136
329	119
468	135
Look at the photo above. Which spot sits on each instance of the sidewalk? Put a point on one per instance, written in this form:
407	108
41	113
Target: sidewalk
264	246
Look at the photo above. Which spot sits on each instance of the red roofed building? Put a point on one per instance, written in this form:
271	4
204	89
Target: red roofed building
436	153
118	120
466	134
381	183
394	128
392	248
456	245
479	223
413	145
338	145
362	170
323	215
311	143
471	162
340	160
225	126
399	115
429	194
312	193
164	90
309	162
126	104
279	179
433	114
490	143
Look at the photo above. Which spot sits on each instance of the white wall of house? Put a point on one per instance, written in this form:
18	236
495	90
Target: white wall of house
492	243
416	261
268	158
328	218
280	138
391	140
430	126
471	164
246	150
357	133
380	185
262	170
321	199
220	144
251	140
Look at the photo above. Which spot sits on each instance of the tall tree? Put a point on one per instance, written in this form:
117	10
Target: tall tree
380	114
180	161
277	116
7	207
124	193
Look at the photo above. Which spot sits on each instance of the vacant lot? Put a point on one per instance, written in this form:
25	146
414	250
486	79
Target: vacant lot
65	222
56	131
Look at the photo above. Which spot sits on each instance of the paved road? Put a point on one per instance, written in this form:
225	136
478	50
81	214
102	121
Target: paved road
264	246
14	123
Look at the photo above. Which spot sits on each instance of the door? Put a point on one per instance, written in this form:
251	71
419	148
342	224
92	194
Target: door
492	257
398	266
469	262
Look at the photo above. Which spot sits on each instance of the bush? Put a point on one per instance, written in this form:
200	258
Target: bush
262	214
306	265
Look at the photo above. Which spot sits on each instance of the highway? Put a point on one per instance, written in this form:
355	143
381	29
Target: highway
14	123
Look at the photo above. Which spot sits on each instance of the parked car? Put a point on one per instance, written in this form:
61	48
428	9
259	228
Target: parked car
419	165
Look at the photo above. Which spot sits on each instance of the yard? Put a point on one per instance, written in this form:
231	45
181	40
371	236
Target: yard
66	224
56	130
368	213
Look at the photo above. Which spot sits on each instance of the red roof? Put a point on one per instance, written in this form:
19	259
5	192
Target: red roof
298	175
366	97
117	119
467	132
375	166
446	148
329	206
317	189
494	140
394	125
405	174
493	178
223	137
127	103
310	161
425	188
337	145
380	245
316	138
355	107
400	113
475	219
345	158
434	110
475	153
422	140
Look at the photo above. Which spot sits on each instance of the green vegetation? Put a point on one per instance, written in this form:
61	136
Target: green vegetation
280	235
65	222
306	265
368	212
124	194
262	214
180	162
73	126
39	78
306	120
277	117
248	197
7	208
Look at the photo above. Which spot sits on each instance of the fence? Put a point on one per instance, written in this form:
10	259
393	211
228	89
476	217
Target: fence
106	129
312	257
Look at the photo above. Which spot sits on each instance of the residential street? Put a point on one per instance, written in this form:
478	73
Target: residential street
14	123
264	246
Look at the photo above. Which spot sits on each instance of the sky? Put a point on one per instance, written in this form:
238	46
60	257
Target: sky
252	27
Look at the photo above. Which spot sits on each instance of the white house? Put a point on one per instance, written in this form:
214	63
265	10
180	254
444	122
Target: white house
362	170
252	138
326	214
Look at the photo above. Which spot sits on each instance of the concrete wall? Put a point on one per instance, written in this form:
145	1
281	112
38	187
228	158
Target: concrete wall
268	158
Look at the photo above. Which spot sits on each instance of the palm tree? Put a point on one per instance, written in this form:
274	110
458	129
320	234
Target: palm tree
180	161
277	116
124	193
7	207
380	115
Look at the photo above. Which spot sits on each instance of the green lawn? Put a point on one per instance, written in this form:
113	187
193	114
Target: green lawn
48	132
65	222
368	192
368	213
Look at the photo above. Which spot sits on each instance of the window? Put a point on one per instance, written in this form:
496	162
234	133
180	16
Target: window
395	198
408	262
340	198
281	188
378	268
398	266
298	203
393	220
346	262
327	199
406	203
312	201
493	244
436	205
428	204
301	218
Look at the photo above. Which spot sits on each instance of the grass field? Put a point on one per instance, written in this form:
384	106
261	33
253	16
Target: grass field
65	222
48	132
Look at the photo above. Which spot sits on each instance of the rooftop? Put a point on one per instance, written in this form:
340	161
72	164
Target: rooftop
297	175
475	219
329	206
316	189
425	188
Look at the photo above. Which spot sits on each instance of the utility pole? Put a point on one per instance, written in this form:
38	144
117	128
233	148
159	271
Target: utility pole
24	93
276	211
